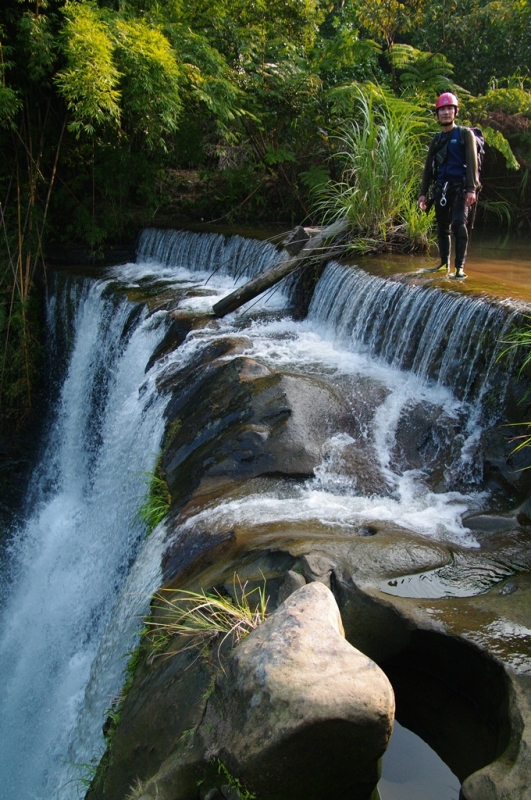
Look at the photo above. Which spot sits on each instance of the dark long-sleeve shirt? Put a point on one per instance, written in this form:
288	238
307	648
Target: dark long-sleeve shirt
470	169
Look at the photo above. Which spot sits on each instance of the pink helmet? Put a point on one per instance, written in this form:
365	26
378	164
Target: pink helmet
446	99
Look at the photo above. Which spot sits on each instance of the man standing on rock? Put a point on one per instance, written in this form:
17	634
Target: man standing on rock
451	170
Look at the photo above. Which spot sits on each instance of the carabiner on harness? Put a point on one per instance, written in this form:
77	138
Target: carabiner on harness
443	201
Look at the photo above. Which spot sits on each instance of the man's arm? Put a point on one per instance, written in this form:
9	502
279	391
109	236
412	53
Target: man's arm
472	175
427	176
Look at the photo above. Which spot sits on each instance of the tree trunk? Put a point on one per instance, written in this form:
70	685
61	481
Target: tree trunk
282	268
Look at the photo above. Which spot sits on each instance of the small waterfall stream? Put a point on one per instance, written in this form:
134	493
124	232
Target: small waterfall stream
76	583
70	558
440	336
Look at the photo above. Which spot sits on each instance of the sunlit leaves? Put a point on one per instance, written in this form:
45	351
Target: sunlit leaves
240	27
89	83
119	72
498	141
502	113
150	77
385	18
510	101
207	78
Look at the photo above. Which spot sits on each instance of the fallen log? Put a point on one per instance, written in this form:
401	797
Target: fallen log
280	270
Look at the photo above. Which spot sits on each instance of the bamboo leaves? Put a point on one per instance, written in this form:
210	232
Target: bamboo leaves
89	84
150	79
119	72
10	105
36	33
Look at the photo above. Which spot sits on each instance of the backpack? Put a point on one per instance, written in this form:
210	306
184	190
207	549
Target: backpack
439	155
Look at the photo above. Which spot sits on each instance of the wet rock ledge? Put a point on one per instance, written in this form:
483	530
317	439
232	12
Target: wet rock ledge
302	709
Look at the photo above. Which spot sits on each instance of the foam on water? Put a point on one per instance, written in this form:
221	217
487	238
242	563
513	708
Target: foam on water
332	498
75	585
74	551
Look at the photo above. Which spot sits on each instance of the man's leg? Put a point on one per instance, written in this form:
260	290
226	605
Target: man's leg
443	217
460	231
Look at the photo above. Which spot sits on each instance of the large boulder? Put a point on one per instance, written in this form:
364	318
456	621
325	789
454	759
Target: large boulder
299	712
296	713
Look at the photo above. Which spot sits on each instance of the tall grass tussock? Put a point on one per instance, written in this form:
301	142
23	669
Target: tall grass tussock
381	154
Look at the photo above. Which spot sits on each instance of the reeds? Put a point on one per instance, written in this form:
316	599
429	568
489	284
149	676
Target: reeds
381	159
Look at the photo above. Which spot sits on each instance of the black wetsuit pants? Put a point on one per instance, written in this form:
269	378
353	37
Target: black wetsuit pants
452	218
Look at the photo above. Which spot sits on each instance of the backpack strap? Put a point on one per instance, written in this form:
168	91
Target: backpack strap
438	152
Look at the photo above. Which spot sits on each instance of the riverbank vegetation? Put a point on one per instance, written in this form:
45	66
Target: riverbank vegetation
381	156
114	115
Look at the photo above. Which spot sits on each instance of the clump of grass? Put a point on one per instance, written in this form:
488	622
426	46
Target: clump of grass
137	790
381	161
518	338
202	620
234	783
158	500
87	777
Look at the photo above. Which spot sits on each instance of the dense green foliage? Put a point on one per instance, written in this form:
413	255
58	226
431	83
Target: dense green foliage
381	157
117	112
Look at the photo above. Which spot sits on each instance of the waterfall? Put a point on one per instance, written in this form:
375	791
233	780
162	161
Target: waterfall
226	255
443	337
68	561
79	572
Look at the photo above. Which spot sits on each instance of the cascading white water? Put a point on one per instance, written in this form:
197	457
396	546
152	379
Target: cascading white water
68	561
200	252
423	347
439	336
76	591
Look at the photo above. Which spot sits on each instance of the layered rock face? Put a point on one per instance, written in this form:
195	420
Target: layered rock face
297	710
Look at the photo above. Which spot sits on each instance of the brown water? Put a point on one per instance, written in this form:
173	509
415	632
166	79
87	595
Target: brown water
498	265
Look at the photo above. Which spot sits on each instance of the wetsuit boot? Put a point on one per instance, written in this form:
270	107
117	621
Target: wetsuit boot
461	246
444	242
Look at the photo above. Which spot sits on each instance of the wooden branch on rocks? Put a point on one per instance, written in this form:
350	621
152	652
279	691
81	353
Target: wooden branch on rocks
282	268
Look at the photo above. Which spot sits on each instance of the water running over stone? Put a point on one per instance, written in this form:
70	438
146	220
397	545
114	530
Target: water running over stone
413	351
443	337
393	353
199	252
